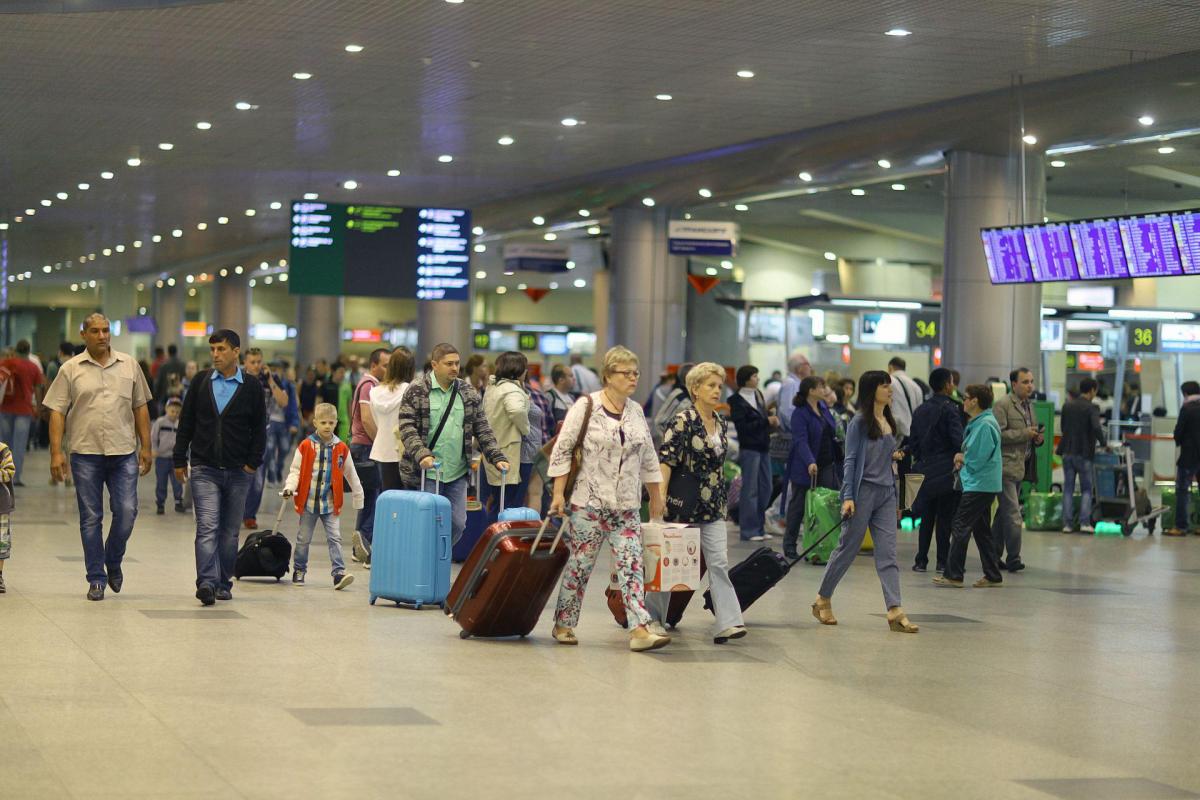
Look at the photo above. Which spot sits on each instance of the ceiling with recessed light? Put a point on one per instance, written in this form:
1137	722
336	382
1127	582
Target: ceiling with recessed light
262	101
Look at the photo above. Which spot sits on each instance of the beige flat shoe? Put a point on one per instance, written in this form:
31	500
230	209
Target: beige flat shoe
823	611
984	583
564	635
642	640
898	621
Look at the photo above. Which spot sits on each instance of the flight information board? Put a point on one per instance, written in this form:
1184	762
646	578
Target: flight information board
1007	256
1098	249
1051	252
1150	245
1187	233
379	251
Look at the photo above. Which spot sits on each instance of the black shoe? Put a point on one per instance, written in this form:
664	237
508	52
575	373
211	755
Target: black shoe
791	555
206	595
919	568
940	569
179	507
1015	566
159	510
224	594
115	581
17	483
96	590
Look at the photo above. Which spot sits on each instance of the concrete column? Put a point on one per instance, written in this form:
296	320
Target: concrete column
987	330
602	308
319	326
231	305
120	302
649	292
168	315
442	321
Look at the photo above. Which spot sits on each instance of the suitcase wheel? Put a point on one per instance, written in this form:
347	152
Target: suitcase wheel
399	604
464	635
373	598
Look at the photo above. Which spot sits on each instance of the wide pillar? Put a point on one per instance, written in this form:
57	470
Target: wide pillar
231	305
120	303
442	321
649	292
602	308
168	315
987	330
319	329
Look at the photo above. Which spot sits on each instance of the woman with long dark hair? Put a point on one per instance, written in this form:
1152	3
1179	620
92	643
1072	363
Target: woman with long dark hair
869	499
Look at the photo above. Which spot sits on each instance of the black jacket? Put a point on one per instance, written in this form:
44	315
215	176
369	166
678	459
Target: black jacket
1081	429
233	439
936	435
753	429
1187	434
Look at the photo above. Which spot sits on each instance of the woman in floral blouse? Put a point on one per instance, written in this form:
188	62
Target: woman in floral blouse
618	459
694	445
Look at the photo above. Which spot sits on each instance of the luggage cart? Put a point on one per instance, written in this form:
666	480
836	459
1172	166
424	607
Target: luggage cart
1118	497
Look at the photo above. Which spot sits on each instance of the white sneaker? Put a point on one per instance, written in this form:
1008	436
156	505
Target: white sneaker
1087	529
358	548
1068	529
767	537
657	629
756	538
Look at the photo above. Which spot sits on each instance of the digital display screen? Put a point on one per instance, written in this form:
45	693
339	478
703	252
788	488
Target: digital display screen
1051	252
379	251
1178	338
1099	251
1187	234
505	341
1007	255
882	327
553	344
1053	336
1150	246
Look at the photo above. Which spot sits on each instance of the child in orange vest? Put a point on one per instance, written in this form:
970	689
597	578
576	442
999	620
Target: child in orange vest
315	480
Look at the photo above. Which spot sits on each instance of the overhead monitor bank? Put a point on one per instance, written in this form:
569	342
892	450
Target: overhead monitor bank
380	251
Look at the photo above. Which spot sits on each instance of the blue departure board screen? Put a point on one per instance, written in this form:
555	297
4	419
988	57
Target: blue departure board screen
1150	246
1187	234
1051	252
1099	251
1007	257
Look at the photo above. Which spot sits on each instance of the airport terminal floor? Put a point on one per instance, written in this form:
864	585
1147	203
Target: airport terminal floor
1076	679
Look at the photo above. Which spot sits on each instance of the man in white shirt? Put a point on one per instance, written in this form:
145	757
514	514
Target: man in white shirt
560	396
906	396
799	368
586	380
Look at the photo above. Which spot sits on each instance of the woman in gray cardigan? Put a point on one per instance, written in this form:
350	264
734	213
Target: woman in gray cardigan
869	499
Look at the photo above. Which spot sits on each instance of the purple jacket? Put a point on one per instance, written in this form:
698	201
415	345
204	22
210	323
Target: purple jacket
806	427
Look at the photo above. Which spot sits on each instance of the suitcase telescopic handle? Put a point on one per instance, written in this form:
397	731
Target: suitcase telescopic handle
437	475
533	551
503	483
283	503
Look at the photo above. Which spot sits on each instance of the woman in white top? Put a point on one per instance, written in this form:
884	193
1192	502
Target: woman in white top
506	406
385	407
617	460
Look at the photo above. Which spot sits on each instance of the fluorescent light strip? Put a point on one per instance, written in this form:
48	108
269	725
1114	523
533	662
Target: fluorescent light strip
1147	313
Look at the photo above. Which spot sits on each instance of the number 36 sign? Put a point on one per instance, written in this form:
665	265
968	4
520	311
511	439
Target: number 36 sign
1143	337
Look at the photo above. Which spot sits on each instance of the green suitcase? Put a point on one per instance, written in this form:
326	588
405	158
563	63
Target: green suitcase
822	510
1043	511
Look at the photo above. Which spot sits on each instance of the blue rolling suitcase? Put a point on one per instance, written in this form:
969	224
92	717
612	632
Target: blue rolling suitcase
517	513
476	527
410	558
477	521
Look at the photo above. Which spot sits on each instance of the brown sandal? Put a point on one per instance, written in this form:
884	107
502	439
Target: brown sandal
898	621
823	611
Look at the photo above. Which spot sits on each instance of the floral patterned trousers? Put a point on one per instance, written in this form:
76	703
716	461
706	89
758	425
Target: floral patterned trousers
589	527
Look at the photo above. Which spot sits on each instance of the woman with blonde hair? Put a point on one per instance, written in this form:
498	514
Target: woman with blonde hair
606	439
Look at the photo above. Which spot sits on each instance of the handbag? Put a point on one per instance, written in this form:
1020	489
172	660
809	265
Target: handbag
577	452
683	495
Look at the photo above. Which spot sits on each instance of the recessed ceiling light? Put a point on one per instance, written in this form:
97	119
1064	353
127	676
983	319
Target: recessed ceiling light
252	283
648	202
710	271
250	212
539	220
745	73
477	230
165	146
137	242
898	32
481	248
156	238
204	126
1165	150
583	212
1146	119
727	264
3	226
1029	138
898	187
133	162
501	290
263	265
108	176
805	176
62	195
454	2
505	140
311	195
741	207
242	105
222	220
106	252
48	203
393	173
570	265
445	158
283	276
570	122
705	193
190	279
1058	163
858	192
830	256
550	237
580	283
301	76
521	287
170	281
47	269
884	163
354	48
30	212
268	280
663	97
201	226
177	233
594	230
553	284
83	187
238	270
276	205
480	275
120	248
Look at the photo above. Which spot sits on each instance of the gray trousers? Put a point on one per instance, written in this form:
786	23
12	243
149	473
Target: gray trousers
876	507
1007	526
714	544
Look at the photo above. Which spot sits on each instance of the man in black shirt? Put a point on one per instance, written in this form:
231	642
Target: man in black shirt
1081	432
1187	436
936	435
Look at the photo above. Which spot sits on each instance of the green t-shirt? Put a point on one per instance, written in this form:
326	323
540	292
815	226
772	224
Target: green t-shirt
449	447
345	395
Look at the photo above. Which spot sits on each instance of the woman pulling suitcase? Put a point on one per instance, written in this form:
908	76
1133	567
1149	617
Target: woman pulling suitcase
603	456
869	499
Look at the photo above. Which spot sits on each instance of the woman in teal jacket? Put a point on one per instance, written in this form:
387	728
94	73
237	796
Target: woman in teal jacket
980	469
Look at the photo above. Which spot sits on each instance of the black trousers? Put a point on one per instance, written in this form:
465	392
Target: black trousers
794	518
937	515
389	476
971	519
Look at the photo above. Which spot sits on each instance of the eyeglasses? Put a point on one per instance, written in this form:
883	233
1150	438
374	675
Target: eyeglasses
632	374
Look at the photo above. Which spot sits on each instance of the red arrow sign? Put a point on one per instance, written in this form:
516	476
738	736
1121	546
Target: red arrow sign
702	283
536	294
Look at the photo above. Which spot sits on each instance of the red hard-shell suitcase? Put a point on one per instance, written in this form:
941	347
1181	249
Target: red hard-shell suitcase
506	581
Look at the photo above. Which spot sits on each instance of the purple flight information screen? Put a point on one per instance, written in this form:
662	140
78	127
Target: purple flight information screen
1099	249
1051	252
1187	233
1007	257
1150	246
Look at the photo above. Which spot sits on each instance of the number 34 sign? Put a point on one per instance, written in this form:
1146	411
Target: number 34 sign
925	329
1143	337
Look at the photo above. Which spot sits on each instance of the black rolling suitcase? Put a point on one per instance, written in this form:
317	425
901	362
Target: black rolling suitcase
761	570
265	554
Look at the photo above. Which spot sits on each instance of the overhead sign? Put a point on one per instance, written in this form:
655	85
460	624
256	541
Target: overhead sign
1142	337
925	328
1053	334
1090	362
535	257
696	238
527	341
1174	337
882	327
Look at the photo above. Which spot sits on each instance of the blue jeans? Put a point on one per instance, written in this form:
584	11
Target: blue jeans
92	473
756	492
514	493
254	492
279	442
14	432
219	496
333	537
164	470
1183	485
456	492
1072	466
368	475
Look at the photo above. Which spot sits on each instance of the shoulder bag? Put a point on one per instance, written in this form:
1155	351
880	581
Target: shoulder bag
577	451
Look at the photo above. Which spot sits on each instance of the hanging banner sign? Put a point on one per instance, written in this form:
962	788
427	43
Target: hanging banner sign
535	294
533	257
697	238
702	283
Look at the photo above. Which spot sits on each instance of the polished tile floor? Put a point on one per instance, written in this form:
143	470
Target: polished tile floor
1077	679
